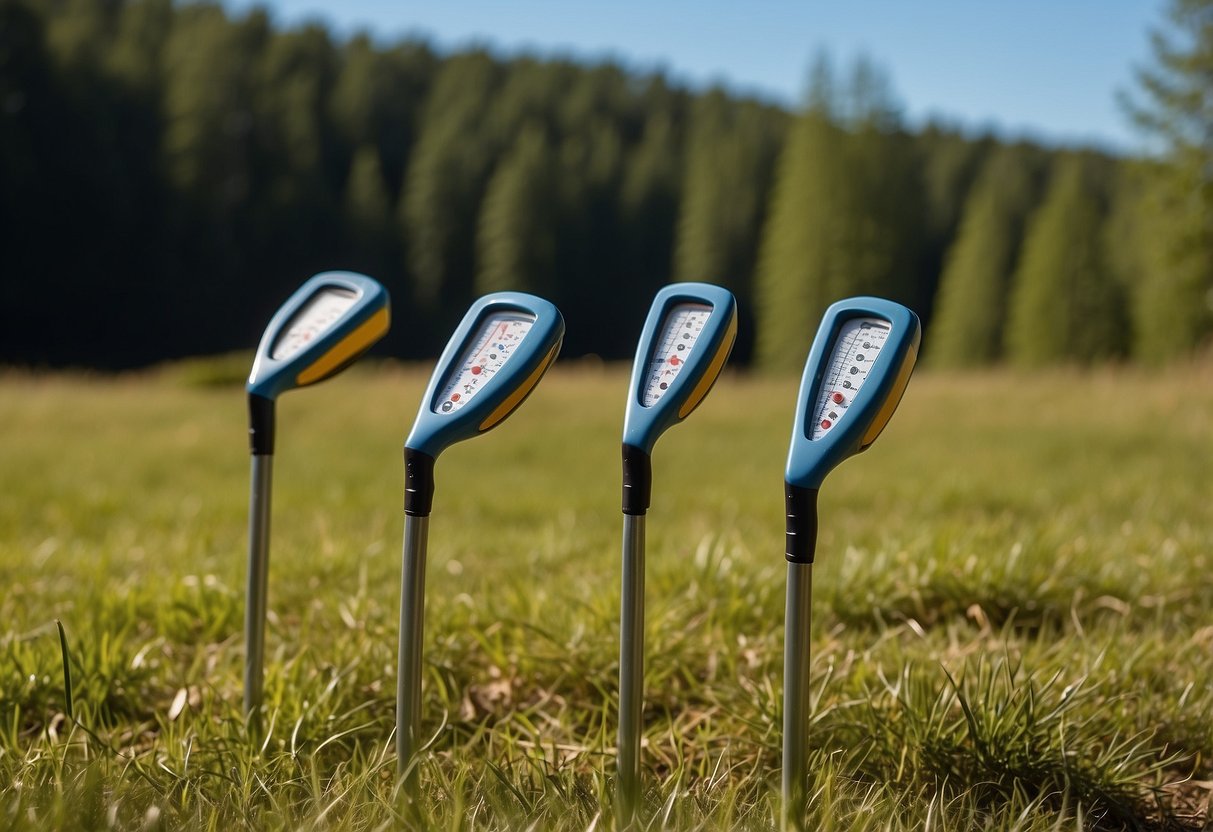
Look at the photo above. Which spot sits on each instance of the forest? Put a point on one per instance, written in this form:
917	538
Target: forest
171	172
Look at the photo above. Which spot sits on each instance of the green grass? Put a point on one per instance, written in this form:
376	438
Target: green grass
1013	612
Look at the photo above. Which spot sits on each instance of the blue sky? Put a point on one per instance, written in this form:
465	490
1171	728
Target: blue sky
1049	69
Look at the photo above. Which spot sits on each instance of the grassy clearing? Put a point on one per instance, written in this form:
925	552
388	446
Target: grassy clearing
1013	621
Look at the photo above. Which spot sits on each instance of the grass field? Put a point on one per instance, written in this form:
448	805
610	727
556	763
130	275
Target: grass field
1013	618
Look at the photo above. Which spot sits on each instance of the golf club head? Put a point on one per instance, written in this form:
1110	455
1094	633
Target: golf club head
686	340
684	345
329	322
856	373
499	352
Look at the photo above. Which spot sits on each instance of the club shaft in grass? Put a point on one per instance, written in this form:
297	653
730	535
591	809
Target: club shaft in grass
322	328
631	667
260	483
494	359
854	378
412	623
683	346
796	664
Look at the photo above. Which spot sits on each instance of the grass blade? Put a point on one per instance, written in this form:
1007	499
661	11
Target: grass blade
67	671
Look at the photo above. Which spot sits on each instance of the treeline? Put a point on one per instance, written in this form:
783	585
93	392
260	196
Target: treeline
170	173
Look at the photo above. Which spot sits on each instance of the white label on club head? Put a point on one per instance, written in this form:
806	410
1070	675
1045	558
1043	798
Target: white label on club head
493	346
322	310
851	359
679	332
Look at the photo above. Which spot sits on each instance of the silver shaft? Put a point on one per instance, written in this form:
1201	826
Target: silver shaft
631	669
797	623
260	484
412	624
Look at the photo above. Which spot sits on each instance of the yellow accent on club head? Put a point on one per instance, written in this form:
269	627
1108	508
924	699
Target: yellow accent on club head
350	347
895	394
514	399
709	378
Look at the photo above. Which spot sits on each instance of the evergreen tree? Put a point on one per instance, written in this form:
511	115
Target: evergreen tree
367	210
377	100
971	308
208	102
1065	302
515	239
136	53
950	162
797	267
78	31
884	217
1131	247
298	172
404	75
590	237
845	214
358	94
446	178
649	206
1173	308
366	197
529	96
730	154
1161	266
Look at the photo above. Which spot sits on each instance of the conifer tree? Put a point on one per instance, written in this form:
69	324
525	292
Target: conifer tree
369	238
515	238
797	260
796	256
845	214
446	178
366	197
1066	305
648	203
377	100
971	309
208	101
1173	298
136	52
730	154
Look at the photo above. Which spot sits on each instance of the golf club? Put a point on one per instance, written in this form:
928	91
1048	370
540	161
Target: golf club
329	322
857	371
686	340
500	351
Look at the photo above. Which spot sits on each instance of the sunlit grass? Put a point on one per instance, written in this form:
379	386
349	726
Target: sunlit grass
1013	621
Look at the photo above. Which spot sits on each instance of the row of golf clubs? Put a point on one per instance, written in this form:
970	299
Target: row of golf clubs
857	370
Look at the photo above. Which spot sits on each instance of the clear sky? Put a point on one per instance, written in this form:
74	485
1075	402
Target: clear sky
1044	68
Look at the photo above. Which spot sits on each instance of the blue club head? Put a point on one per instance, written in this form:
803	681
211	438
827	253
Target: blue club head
499	352
685	343
329	322
856	373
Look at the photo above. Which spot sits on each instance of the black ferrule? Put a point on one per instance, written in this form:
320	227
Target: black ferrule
637	480
418	483
801	509
260	425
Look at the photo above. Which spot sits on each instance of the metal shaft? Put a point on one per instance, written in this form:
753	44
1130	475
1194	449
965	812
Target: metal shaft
260	484
796	664
412	624
631	669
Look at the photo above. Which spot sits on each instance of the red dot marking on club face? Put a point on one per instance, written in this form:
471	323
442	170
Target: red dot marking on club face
825	424
674	360
838	398
454	397
476	370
